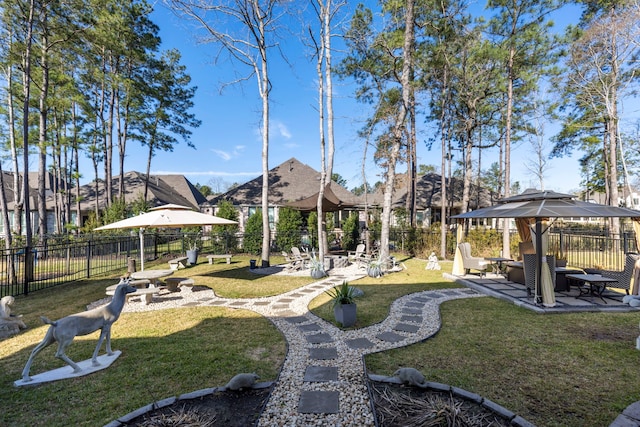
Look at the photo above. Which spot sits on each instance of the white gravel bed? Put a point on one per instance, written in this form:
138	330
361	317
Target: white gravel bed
354	404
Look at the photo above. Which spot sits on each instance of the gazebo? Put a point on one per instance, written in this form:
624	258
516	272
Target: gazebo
532	209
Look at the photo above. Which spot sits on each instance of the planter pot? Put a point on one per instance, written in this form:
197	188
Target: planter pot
252	264
318	273
374	271
192	257
345	314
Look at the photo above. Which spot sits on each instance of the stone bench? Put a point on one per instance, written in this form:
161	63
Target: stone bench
173	283
221	256
146	293
176	263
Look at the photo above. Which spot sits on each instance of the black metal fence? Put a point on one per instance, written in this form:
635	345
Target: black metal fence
24	270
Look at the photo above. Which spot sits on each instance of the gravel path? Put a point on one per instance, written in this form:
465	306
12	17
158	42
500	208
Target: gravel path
323	381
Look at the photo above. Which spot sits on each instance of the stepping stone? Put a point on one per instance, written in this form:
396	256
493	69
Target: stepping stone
422	299
307	291
295	295
262	303
287	313
297	319
436	295
415	319
450	292
404	327
323	353
316	374
415	304
285	300
407	310
320	338
319	402
238	303
217	303
389	337
280	306
359	343
311	327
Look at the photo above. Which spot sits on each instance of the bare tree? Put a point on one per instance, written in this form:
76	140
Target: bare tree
602	64
253	21
538	164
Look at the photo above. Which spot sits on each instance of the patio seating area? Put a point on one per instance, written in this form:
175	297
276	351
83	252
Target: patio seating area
567	301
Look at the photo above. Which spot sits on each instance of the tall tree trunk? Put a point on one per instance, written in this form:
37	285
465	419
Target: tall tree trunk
407	67
321	223
264	88
17	194
42	137
506	238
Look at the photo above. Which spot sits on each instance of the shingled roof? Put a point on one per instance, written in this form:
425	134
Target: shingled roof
163	189
428	193
290	181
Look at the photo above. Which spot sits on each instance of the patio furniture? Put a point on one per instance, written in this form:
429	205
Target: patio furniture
562	284
592	284
292	263
303	259
498	264
529	266
623	278
360	256
470	262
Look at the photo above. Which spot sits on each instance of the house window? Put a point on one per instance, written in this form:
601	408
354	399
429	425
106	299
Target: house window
272	224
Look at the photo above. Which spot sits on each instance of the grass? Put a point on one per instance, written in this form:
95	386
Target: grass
554	370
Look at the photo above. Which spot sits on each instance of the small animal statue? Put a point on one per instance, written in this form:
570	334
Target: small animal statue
242	381
63	331
410	376
433	262
5	312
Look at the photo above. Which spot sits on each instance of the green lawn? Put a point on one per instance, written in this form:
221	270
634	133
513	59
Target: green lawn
554	370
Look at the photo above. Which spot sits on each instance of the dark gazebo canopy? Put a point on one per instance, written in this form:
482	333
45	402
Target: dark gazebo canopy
535	206
330	202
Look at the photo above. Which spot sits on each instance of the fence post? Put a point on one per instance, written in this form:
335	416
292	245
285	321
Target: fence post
625	242
88	258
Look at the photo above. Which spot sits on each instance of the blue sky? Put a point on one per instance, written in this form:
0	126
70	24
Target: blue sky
228	143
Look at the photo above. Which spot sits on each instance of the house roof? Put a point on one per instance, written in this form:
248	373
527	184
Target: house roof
428	193
163	189
289	181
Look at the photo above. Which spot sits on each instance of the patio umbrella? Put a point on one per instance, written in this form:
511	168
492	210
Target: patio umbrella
166	216
540	205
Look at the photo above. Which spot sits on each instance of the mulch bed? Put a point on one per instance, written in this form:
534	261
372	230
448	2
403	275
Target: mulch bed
396	406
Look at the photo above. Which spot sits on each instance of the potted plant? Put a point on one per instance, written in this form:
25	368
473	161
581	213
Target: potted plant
192	242
374	268
316	268
344	306
561	258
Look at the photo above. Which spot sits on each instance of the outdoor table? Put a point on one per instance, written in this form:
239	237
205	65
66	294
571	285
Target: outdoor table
498	262
561	278
152	275
592	284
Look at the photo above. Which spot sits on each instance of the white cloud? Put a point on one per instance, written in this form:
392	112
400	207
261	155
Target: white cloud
283	130
222	154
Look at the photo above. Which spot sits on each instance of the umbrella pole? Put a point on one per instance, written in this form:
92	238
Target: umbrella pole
141	249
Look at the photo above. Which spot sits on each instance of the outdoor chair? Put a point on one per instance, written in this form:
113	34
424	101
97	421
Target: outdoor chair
298	256
470	262
529	265
292	263
359	255
623	278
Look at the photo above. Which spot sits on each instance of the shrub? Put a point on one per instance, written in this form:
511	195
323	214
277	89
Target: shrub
253	234
288	229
